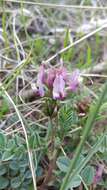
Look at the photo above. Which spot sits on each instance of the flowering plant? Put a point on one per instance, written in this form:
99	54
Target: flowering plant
57	81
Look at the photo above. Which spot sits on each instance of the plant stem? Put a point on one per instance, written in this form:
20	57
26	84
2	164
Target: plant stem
89	124
49	173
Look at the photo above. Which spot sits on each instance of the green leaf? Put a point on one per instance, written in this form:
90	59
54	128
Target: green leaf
24	163
16	182
38	47
89	57
75	183
22	170
11	144
14	165
103	146
63	163
2	140
7	156
13	173
18	140
28	174
39	171
4	108
88	174
3	182
67	118
19	151
3	170
26	182
67	40
32	141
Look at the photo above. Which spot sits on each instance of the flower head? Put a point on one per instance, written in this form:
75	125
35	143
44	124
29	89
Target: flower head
56	80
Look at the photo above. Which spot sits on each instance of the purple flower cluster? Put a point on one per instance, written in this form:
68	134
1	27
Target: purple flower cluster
57	80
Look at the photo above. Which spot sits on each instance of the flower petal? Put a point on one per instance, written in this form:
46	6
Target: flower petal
51	77
40	81
74	80
59	87
34	87
62	71
41	75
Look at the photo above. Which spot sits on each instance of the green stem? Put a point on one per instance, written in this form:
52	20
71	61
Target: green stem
89	124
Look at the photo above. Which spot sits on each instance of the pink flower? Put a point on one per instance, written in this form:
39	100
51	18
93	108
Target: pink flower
59	87
55	80
74	80
98	174
41	81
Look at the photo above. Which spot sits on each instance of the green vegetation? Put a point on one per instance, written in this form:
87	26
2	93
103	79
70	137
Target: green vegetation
53	101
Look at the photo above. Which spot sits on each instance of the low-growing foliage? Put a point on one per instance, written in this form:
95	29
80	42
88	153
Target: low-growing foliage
53	102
